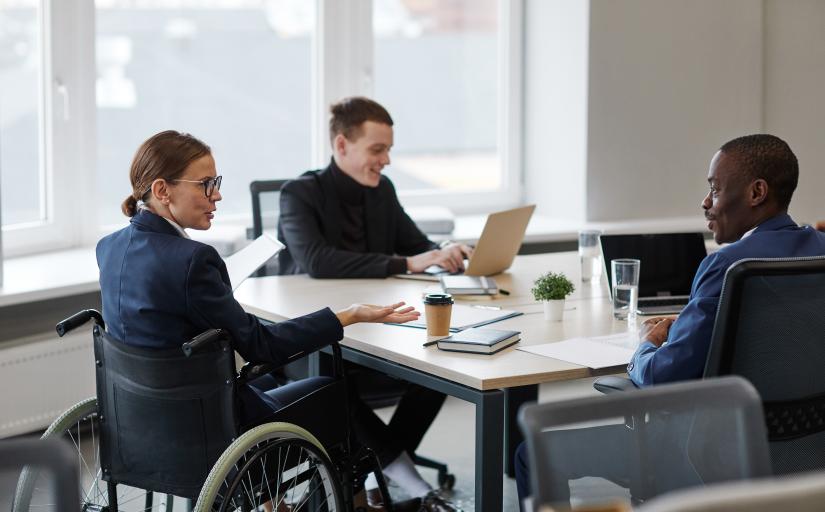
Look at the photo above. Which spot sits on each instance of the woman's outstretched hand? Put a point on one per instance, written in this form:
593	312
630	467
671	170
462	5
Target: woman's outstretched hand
394	313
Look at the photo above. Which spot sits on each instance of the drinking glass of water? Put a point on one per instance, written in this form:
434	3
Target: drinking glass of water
625	274
590	255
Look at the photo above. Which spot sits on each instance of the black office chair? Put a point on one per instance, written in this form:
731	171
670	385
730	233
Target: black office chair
635	446
770	329
165	421
55	460
270	189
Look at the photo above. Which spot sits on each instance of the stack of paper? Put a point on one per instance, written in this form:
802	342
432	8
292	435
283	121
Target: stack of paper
595	352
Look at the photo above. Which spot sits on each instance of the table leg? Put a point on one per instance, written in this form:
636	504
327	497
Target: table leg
513	400
489	451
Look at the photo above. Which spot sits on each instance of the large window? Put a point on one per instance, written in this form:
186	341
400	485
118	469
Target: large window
234	73
436	70
84	82
21	121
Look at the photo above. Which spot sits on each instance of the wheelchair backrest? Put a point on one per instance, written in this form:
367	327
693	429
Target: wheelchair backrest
165	418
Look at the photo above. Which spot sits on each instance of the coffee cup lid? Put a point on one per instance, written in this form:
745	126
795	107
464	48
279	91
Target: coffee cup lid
438	298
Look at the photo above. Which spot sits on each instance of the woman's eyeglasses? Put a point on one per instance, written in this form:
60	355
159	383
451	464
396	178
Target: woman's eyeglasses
209	185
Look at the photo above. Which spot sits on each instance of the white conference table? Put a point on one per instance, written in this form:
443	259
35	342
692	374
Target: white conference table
497	384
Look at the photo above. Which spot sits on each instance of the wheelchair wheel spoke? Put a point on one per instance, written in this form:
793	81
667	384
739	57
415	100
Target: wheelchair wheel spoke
94	498
282	474
281	470
80	458
310	491
266	478
125	498
251	491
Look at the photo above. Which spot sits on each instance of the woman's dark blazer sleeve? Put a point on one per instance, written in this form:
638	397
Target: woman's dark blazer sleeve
210	303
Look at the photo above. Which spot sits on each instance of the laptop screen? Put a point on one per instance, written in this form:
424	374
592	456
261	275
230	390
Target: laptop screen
668	261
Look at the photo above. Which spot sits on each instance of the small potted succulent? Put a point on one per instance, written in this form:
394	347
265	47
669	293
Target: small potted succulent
551	289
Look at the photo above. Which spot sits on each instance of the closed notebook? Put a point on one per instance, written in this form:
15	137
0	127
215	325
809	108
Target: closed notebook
469	285
479	341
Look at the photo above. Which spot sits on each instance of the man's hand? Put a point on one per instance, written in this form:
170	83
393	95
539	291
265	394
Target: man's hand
655	330
394	313
450	258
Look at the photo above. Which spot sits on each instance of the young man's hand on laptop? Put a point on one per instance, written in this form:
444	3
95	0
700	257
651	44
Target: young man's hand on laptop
655	330
450	258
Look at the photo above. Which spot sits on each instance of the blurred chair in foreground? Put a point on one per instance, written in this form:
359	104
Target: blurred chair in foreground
637	445
51	456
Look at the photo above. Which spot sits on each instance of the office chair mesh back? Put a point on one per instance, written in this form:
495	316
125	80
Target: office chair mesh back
165	418
636	445
770	329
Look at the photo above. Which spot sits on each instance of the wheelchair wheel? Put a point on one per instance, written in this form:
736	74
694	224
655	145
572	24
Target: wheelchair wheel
79	426
275	466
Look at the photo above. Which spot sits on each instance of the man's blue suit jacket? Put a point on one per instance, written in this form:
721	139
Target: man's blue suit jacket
160	289
683	356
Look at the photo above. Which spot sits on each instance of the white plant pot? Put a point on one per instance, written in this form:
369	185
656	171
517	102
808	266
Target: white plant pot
553	310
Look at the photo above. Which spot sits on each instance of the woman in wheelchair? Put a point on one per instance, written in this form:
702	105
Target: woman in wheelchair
160	288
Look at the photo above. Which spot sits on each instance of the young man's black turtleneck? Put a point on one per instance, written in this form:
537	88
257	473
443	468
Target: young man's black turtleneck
353	220
352	196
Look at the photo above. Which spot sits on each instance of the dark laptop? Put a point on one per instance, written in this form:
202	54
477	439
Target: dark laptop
668	263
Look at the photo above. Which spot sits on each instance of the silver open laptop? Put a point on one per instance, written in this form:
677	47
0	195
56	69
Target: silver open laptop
496	249
668	264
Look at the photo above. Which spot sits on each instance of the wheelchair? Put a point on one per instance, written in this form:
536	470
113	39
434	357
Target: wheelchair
166	422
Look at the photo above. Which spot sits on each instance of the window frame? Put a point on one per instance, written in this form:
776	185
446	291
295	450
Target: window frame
67	134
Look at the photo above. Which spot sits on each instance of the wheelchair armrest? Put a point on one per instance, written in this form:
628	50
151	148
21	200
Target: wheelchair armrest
204	339
252	370
613	384
78	319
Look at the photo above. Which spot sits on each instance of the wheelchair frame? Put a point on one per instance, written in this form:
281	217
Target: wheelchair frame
340	470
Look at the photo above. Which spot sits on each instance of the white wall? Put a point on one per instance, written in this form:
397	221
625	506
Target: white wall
668	82
795	94
555	106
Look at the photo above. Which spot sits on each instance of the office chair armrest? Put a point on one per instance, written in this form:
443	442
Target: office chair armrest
613	384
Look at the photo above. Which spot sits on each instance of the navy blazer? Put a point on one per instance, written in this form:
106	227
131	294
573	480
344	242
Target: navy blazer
684	354
160	289
309	225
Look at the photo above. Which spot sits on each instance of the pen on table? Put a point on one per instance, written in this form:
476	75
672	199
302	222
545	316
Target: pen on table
503	291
